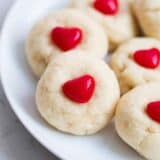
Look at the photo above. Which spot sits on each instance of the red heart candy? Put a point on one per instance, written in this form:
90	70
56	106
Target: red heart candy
153	111
108	7
79	89
66	38
148	58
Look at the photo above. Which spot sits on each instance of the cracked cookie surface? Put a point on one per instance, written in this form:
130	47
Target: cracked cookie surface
129	73
118	27
133	124
148	15
69	116
40	48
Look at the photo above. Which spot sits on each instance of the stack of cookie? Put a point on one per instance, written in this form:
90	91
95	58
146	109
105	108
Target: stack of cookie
78	92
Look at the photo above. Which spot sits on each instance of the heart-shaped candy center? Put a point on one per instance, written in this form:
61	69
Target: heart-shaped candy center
66	38
79	89
153	111
108	7
149	58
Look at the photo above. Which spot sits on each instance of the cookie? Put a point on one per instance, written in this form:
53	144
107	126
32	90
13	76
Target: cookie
136	62
62	31
77	97
147	13
138	119
114	16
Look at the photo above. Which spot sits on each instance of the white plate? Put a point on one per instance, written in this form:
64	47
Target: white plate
19	85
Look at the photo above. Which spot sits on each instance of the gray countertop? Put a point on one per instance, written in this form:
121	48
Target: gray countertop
15	142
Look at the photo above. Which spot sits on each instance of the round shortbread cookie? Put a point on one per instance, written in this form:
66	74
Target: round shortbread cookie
138	119
119	27
131	73
148	15
42	41
66	106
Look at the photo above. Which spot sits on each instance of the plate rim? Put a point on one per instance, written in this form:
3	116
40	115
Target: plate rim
2	81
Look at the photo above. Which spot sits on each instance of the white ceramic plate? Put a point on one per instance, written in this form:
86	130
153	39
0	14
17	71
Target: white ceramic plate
19	85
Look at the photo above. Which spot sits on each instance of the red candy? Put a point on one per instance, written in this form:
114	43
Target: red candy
147	58
66	38
108	7
153	111
79	89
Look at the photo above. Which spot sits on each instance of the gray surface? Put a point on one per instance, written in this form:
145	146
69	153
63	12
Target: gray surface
4	6
15	142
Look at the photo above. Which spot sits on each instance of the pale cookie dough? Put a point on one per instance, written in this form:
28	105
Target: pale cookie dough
134	125
129	73
148	15
73	117
40	49
119	27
